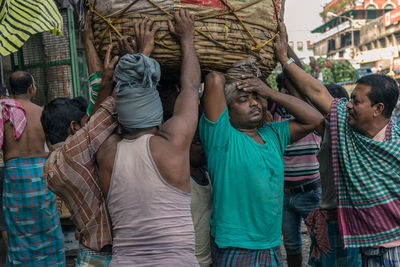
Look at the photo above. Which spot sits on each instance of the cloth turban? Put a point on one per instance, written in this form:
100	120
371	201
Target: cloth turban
137	100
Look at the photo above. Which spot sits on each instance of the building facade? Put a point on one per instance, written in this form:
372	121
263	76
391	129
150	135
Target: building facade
356	30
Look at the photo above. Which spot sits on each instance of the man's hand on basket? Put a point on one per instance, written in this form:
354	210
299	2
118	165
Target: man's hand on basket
126	46
281	43
184	25
109	64
144	32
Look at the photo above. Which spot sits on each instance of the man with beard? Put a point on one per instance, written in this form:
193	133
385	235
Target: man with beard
245	163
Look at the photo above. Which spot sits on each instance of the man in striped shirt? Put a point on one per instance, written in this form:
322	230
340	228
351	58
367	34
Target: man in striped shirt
302	189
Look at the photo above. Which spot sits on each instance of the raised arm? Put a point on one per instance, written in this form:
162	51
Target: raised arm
179	130
92	59
288	83
303	82
106	88
306	117
96	65
213	97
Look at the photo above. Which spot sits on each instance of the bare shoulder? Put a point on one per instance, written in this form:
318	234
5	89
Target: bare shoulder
105	161
31	142
173	164
27	105
33	111
161	147
108	149
106	154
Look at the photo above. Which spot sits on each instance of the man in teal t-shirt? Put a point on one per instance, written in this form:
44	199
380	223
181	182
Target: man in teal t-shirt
246	167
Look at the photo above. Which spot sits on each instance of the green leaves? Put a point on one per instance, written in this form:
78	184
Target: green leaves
332	71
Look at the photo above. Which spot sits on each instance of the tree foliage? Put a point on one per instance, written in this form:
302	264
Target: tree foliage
272	80
332	71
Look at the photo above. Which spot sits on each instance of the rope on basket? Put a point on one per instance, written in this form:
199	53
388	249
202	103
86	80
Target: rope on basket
231	11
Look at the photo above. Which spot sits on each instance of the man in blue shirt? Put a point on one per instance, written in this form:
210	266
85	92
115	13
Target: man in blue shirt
246	167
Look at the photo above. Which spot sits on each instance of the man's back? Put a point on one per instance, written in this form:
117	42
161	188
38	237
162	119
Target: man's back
161	218
31	142
152	224
30	210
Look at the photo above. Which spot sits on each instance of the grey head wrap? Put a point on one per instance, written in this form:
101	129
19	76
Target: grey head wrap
234	74
137	100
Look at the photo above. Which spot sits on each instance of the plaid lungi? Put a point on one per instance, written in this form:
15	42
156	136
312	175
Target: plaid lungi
337	255
378	257
91	258
235	257
30	210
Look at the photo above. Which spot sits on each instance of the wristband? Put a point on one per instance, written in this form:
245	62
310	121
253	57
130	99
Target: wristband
290	61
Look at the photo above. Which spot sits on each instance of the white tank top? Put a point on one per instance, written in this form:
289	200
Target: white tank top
151	220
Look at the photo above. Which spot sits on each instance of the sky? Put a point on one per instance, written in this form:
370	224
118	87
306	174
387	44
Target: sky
302	16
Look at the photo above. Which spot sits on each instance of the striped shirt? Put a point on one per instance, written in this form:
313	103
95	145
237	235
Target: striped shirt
71	174
20	19
300	157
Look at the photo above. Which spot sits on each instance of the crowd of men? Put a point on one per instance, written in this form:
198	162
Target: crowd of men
218	181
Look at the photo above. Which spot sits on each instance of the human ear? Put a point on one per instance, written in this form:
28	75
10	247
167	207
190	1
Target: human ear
31	90
379	108
73	127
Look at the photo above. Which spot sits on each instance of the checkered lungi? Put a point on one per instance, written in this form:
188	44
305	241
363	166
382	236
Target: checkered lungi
91	258
235	257
337	256
30	210
378	257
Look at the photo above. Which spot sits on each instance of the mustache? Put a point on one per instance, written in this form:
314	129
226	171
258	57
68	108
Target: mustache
254	109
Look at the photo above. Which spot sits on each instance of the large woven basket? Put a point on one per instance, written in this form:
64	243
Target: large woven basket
225	31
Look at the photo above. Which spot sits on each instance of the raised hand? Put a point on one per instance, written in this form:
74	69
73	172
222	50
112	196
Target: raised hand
281	43
145	32
184	25
126	46
109	64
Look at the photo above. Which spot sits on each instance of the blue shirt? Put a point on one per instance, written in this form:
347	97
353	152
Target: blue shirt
247	180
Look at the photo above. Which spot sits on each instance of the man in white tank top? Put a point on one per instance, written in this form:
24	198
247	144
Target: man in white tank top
201	204
146	176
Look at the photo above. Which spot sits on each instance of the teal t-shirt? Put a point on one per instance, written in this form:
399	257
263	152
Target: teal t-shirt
247	180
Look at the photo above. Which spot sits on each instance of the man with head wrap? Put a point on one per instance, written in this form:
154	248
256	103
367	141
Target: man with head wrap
245	163
146	176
